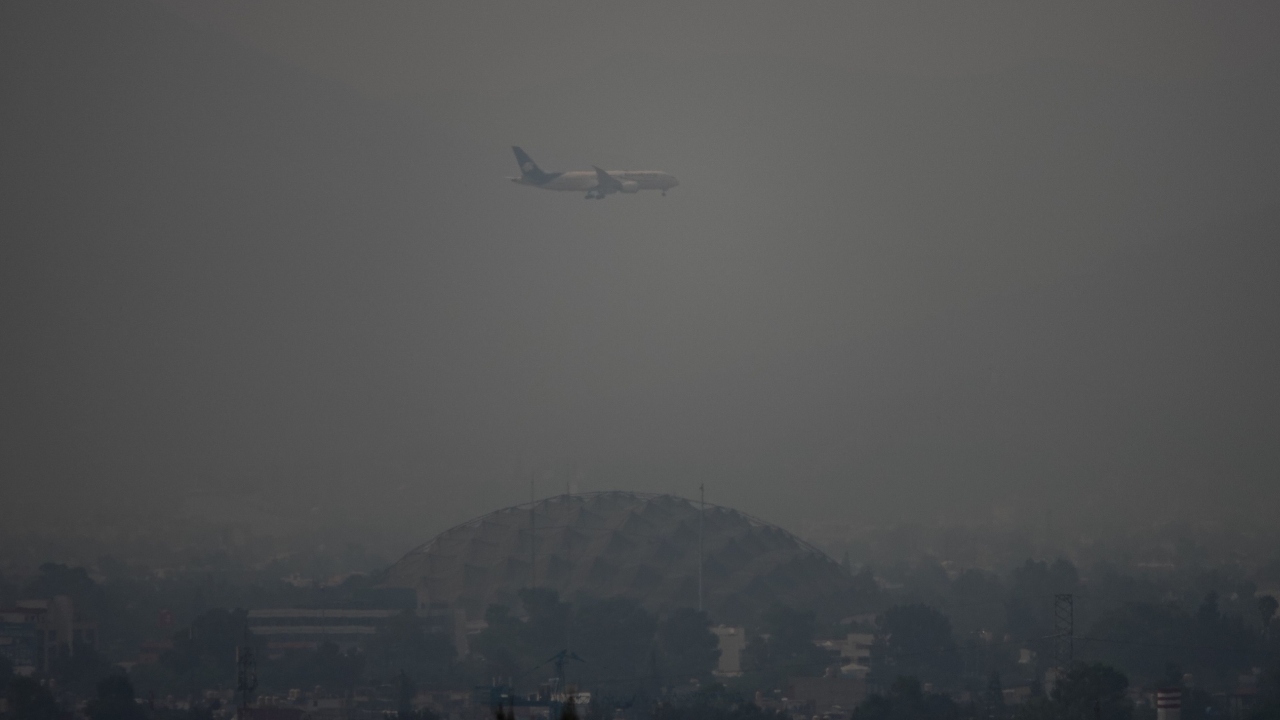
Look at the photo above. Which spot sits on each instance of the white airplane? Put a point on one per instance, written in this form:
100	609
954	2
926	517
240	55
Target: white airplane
596	182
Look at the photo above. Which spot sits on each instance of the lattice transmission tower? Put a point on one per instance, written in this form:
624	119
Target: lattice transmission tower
1064	627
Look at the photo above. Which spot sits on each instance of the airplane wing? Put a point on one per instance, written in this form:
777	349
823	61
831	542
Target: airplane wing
606	183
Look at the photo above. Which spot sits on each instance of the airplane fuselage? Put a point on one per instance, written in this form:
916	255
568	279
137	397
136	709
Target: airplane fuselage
583	180
596	182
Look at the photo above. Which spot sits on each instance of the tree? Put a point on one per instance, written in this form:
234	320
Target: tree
502	644
615	637
57	579
994	699
976	603
405	692
29	700
1145	637
1267	606
1268	705
915	640
1197	703
712	702
511	646
569	711
1093	691
906	701
328	666
688	647
547	628
216	633
204	655
115	701
1208	611
784	646
1029	614
80	671
864	590
6	671
402	646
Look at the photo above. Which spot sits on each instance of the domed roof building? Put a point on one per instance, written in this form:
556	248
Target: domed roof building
640	546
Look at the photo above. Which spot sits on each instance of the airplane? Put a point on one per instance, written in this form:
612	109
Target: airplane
596	182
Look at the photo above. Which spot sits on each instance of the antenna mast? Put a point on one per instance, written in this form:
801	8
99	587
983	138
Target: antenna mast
702	508
533	535
246	674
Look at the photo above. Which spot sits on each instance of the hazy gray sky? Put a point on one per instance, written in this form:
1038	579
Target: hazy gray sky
925	259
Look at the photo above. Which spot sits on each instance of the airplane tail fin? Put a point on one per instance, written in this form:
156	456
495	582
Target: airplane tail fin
528	167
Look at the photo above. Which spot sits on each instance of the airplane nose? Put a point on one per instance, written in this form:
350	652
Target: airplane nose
674	182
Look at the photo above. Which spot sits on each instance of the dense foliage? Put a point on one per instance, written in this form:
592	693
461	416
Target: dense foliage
965	634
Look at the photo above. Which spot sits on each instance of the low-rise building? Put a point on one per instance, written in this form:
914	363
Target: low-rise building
855	653
286	629
309	628
35	633
732	641
823	695
150	651
20	638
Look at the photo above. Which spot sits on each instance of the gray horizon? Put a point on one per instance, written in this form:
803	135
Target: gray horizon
924	263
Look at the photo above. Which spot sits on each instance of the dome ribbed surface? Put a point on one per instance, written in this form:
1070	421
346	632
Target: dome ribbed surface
611	544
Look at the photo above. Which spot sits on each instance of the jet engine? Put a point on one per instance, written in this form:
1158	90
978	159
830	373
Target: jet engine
629	186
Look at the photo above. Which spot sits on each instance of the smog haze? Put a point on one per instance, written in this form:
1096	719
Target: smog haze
926	261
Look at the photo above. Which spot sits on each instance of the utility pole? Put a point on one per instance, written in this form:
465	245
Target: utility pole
702	509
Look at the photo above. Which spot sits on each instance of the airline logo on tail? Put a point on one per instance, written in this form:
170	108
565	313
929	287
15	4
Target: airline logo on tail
596	183
529	170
